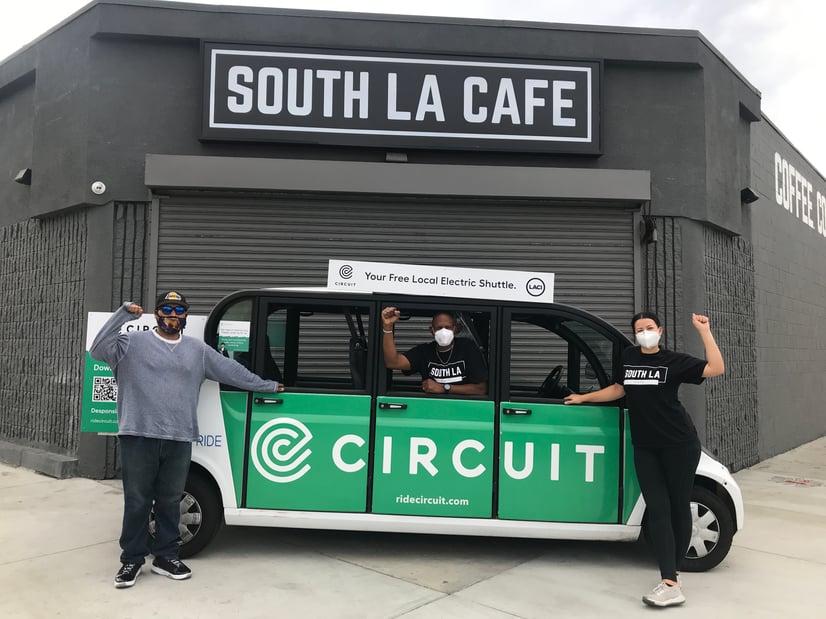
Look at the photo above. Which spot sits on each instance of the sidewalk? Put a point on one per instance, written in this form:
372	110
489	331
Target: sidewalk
60	555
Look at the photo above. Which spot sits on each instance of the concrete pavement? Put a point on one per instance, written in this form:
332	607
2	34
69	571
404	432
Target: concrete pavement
60	554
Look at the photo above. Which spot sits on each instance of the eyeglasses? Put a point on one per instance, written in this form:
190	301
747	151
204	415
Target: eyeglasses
179	310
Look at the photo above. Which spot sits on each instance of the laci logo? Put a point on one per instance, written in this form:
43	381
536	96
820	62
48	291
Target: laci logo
535	287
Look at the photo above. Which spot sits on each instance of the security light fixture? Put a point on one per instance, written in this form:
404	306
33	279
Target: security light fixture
648	230
747	196
24	176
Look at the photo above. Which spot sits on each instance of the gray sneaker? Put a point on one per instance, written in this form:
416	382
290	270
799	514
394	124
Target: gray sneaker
663	595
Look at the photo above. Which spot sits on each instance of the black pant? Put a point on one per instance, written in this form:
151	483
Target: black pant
666	476
154	475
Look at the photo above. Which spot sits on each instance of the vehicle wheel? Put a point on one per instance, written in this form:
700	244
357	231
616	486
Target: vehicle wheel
712	531
201	515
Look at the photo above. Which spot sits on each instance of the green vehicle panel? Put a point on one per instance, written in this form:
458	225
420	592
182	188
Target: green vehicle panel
308	452
433	457
558	463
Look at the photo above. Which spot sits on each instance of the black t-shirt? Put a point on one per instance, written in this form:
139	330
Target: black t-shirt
651	383
462	364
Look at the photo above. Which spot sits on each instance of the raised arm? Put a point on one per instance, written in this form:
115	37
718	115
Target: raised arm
392	358
109	345
714	358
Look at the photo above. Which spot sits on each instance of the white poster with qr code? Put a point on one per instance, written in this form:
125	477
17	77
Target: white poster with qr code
99	409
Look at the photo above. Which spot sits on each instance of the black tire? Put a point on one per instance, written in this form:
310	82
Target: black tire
712	533
201	515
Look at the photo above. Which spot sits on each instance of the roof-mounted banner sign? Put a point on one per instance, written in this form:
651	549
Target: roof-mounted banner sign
492	284
400	101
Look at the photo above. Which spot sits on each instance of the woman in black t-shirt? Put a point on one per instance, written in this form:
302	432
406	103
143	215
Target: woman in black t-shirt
666	446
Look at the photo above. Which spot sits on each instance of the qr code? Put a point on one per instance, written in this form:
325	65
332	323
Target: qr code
104	389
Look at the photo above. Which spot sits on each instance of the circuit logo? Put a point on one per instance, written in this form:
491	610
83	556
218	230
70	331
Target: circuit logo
346	271
278	450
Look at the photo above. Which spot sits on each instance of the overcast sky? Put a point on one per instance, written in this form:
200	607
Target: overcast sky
778	45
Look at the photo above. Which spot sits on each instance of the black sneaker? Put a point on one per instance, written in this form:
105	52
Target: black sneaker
127	575
173	568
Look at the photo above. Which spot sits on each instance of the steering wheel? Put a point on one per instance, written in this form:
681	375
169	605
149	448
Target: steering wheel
551	382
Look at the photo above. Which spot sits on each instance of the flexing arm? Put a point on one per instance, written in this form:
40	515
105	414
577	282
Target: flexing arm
393	359
714	358
606	394
109	345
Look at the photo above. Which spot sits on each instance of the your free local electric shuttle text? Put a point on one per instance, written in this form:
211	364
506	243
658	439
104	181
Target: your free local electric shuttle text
438	280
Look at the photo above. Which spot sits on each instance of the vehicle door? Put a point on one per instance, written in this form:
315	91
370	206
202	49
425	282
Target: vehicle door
558	462
305	448
434	453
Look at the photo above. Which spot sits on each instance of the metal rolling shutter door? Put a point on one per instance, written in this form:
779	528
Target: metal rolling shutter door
212	246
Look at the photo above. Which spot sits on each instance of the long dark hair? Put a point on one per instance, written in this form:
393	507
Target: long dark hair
641	315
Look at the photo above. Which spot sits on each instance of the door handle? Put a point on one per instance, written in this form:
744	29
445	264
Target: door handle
268	401
389	406
516	411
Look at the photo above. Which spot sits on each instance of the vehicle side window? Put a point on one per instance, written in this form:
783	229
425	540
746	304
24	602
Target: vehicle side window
233	334
413	330
537	357
316	347
597	369
552	356
234	331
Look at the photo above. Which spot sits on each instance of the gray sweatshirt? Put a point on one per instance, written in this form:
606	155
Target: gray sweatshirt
159	381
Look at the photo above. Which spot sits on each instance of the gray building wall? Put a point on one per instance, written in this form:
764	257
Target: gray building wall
695	268
42	292
732	401
667	96
16	140
790	287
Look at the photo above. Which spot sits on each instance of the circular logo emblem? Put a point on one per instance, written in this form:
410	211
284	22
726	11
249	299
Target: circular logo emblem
535	287
278	450
346	271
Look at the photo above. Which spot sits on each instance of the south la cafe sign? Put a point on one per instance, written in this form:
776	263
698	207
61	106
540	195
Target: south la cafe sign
278	94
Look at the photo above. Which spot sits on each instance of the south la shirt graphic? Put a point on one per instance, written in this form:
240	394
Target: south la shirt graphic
645	375
462	364
447	373
652	382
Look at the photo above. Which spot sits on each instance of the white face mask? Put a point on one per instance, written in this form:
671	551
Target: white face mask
443	337
648	339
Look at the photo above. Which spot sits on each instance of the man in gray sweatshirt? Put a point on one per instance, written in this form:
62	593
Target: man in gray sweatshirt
159	375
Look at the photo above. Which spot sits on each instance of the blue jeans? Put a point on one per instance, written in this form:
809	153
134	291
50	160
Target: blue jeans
154	474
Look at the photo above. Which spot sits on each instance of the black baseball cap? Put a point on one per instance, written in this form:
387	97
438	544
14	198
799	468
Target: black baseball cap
171	298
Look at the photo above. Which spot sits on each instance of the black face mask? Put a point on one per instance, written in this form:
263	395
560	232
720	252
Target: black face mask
171	325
